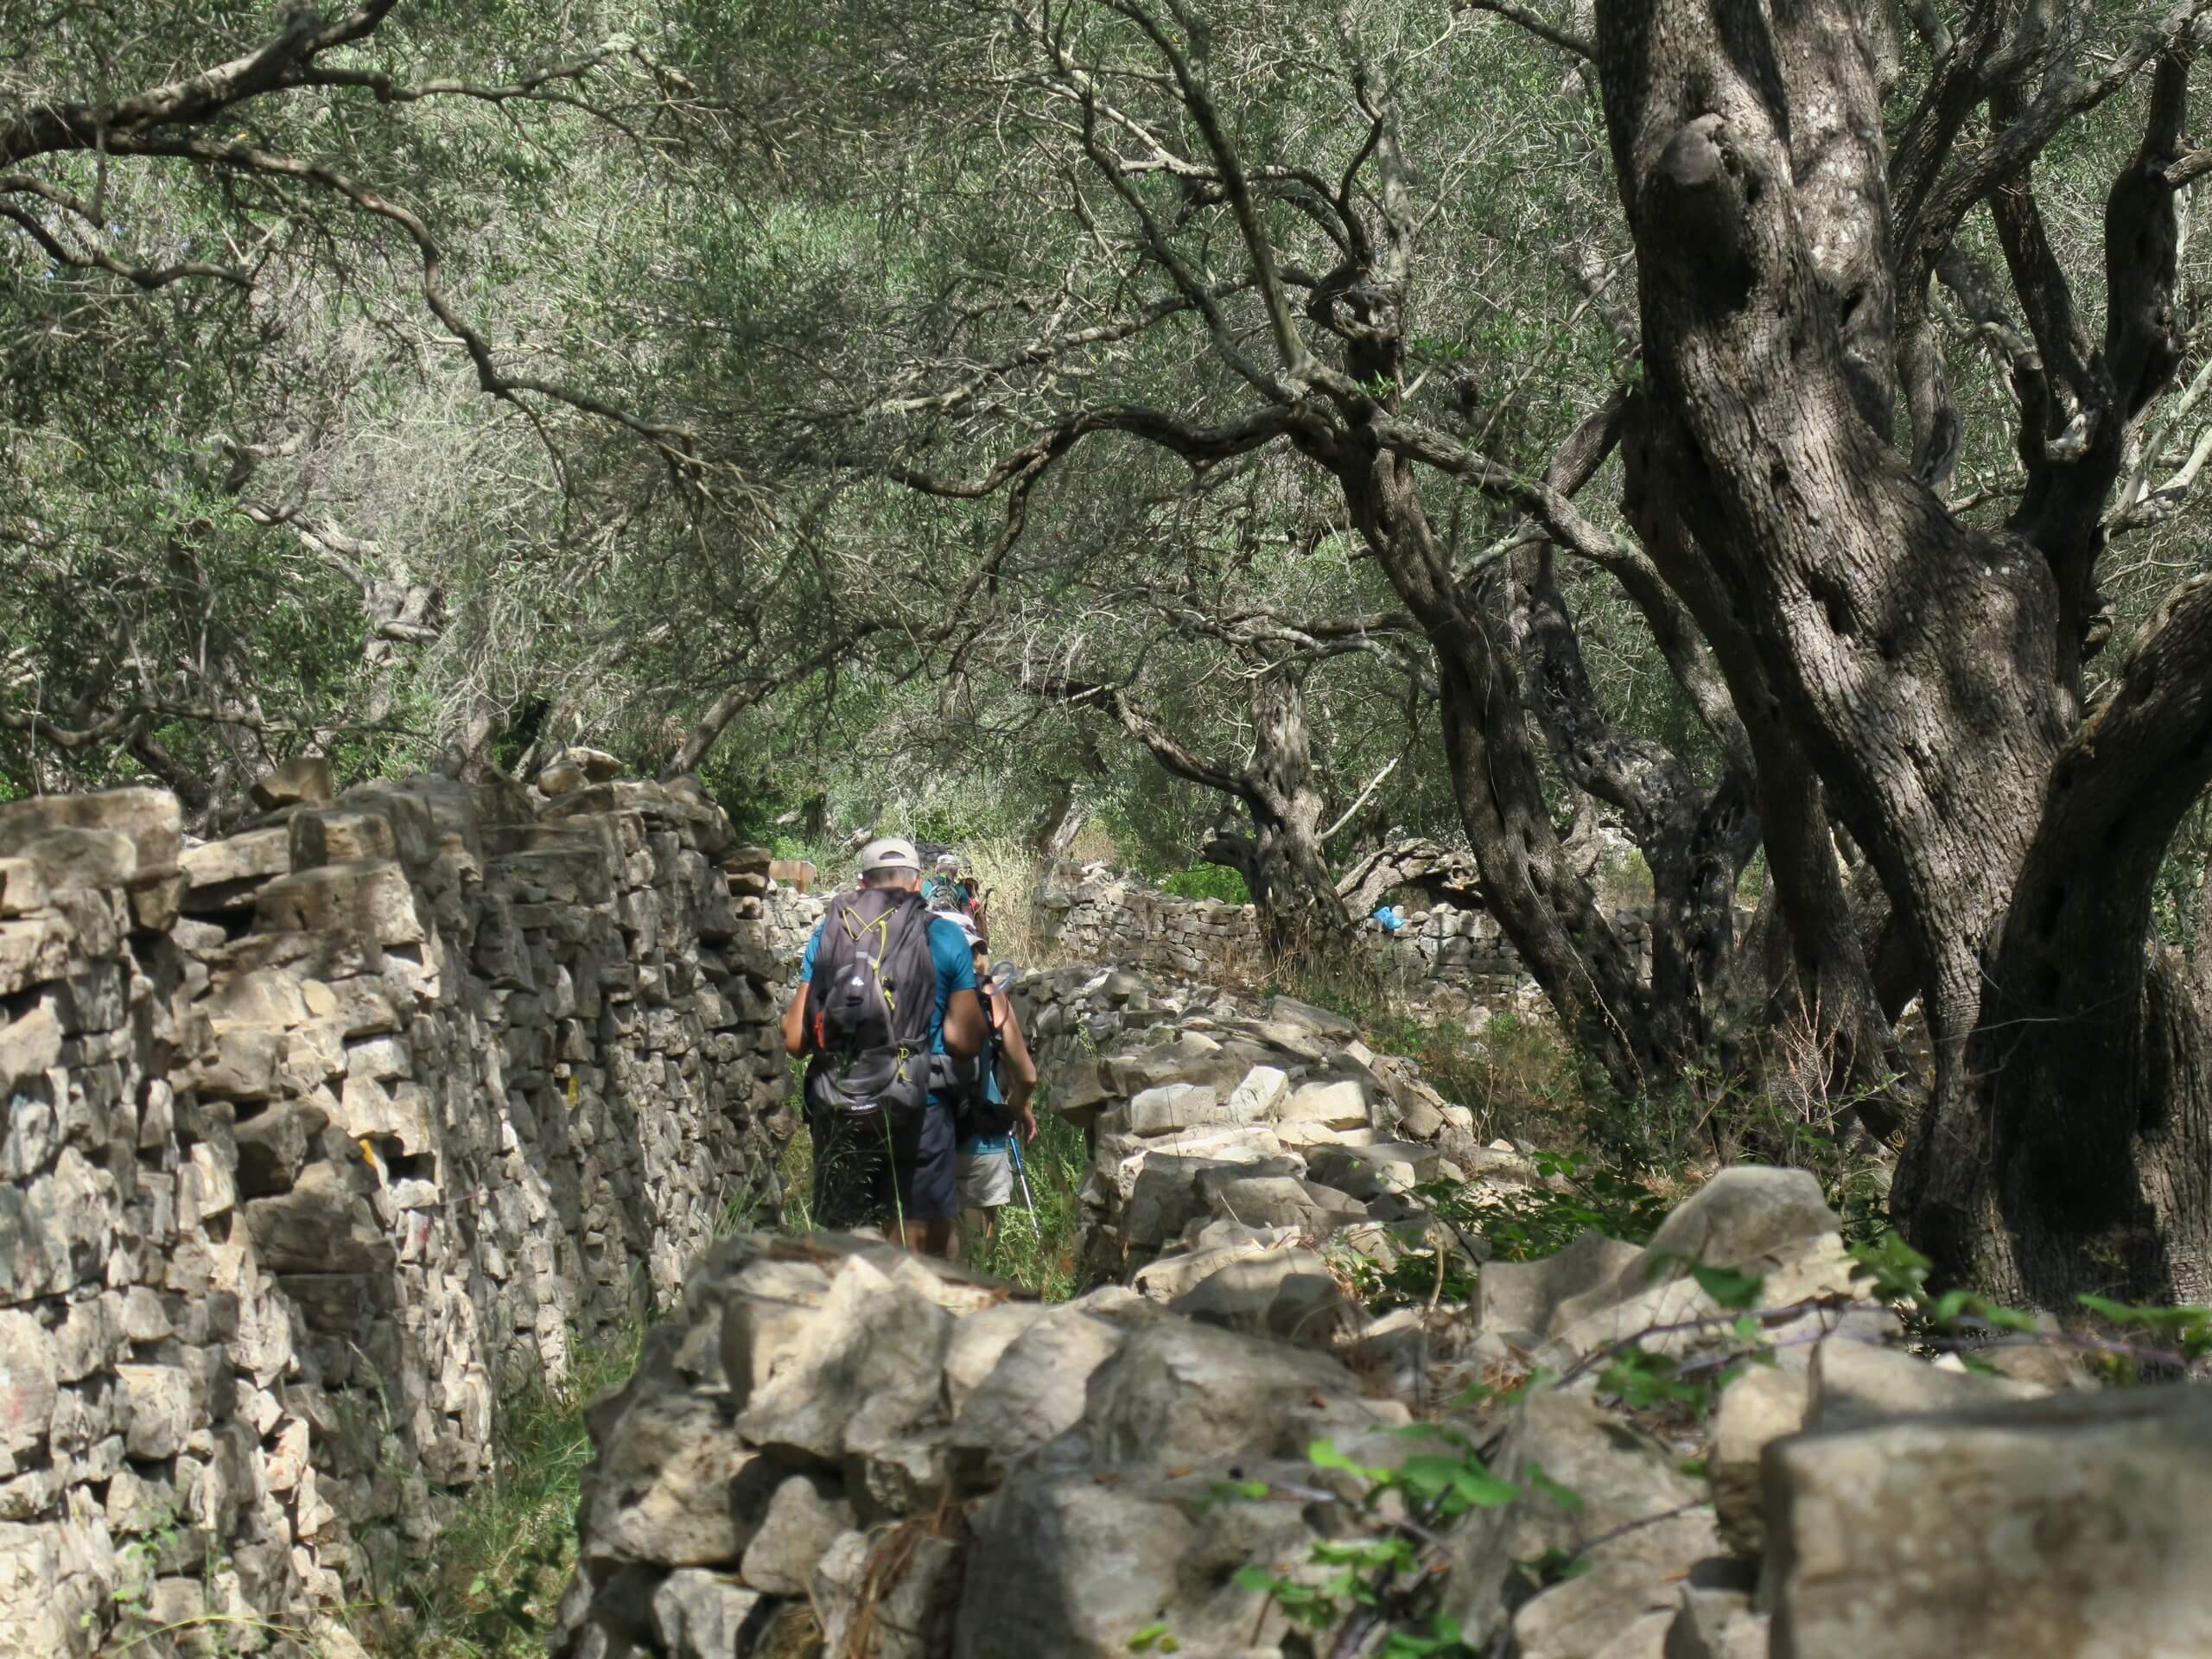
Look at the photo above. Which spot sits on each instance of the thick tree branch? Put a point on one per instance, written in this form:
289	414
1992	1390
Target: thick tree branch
2064	97
145	277
1566	40
1140	724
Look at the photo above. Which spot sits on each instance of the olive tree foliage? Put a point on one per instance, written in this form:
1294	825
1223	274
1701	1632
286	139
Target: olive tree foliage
1237	662
352	395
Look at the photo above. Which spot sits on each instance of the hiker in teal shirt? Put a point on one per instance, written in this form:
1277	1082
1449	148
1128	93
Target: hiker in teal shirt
998	1112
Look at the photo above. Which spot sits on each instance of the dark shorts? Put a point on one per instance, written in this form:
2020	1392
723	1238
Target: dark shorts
869	1171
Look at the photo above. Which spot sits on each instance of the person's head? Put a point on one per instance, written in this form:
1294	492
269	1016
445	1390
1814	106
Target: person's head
976	943
890	862
947	864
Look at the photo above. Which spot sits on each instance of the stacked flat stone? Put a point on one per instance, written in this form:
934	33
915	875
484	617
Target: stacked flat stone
1097	914
1445	960
789	917
317	1139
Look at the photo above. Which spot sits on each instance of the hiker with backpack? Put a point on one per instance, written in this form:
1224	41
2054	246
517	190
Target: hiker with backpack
888	1013
996	1121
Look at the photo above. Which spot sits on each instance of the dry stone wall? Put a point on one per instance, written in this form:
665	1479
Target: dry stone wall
314	1142
1449	960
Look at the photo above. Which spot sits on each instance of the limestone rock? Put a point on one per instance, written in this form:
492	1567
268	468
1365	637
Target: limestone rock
699	1615
28	1045
372	899
304	780
1855	1382
2036	1528
662	1493
1038	1388
766	1309
905	1582
1771	1221
1177	1394
1618	1477
34	949
1760	1407
153	819
82	858
976	1345
1521	1300
1716	1619
22	889
1387	1167
805	1514
1332	1105
1743	1214
868	1362
217	874
1168	1109
597	766
1068	1565
340	835
1288	1293
27	1383
1259	1097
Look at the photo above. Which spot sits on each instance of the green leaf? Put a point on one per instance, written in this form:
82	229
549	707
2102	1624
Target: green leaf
1237	1492
1323	1454
1146	1639
1730	1286
1483	1489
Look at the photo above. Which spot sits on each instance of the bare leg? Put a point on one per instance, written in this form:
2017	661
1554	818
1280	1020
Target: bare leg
929	1237
975	1237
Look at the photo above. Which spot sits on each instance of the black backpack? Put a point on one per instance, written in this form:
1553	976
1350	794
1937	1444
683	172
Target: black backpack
868	1006
976	1114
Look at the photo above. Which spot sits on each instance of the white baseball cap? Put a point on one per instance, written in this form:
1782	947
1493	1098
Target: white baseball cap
889	853
947	861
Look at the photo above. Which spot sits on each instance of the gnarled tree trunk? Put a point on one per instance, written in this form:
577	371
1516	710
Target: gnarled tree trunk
1928	670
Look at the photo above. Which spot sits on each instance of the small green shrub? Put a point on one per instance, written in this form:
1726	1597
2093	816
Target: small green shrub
1581	1195
1208	881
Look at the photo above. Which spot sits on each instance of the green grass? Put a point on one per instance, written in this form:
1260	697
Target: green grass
502	1562
1037	1248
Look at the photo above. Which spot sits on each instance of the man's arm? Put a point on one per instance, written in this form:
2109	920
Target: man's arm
963	1025
795	1015
1018	1071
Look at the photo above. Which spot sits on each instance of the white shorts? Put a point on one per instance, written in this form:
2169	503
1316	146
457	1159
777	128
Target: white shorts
985	1179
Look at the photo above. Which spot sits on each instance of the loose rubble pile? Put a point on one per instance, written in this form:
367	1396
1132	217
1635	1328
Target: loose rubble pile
317	1140
928	1464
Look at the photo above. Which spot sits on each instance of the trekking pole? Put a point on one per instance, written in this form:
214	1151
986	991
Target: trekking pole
1022	1170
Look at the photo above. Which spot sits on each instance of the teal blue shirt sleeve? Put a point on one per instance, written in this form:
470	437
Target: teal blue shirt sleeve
814	943
956	971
